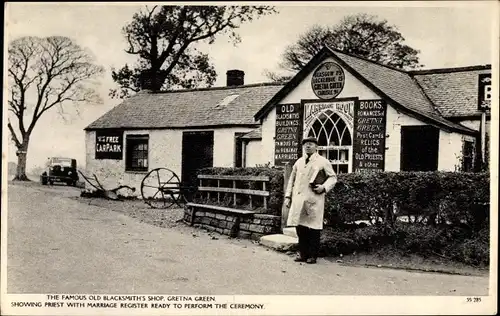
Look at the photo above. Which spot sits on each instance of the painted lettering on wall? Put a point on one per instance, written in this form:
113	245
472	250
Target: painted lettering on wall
369	136
328	80
484	92
109	145
287	147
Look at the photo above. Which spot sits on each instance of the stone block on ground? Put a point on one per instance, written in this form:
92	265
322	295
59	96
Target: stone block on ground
279	242
290	231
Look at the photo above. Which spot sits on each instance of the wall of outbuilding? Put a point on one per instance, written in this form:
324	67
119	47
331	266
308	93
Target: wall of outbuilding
165	150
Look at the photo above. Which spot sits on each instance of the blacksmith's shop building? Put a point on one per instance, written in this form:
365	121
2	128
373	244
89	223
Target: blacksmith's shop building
366	116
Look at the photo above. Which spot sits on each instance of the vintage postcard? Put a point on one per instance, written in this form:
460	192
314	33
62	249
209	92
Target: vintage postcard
250	158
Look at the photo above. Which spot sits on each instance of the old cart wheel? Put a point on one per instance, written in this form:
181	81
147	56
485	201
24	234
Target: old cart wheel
161	188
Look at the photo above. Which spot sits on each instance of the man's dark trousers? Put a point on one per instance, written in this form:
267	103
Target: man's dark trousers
308	241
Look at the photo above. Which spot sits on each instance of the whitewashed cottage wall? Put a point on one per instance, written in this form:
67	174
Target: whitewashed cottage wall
450	143
165	150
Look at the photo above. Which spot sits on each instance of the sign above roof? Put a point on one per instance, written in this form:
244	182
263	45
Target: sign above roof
484	97
328	81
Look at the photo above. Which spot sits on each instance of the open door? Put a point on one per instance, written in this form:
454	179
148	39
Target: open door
197	153
419	148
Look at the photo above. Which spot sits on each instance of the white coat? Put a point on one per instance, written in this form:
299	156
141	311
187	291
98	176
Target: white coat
307	207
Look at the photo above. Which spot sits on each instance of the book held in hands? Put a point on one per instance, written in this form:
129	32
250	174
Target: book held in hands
318	177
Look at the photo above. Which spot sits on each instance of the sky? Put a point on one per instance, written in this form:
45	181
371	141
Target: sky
447	34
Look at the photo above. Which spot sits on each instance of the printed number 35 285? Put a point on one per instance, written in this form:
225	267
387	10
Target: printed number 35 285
473	299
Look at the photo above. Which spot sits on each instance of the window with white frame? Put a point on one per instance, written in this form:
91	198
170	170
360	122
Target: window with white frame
334	140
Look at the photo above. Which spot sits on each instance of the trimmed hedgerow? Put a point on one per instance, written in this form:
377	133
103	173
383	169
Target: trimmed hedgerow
424	213
428	197
454	243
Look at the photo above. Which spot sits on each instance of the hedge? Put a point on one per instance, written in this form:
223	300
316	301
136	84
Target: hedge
436	198
425	213
443	214
455	243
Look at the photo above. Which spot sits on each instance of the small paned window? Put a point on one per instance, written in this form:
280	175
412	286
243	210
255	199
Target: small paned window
334	140
137	153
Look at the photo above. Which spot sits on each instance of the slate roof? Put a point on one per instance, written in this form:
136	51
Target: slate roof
453	91
189	108
400	87
254	134
394	84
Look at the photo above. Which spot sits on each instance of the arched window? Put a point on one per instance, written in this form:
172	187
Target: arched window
334	139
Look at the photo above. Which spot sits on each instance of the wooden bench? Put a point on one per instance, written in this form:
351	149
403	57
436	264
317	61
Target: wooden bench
217	189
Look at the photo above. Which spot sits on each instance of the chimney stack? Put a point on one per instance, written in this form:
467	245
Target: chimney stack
235	78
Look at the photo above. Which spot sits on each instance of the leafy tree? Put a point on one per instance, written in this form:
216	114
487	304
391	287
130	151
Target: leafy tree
360	35
45	73
162	38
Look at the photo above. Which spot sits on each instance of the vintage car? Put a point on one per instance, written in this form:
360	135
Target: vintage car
59	169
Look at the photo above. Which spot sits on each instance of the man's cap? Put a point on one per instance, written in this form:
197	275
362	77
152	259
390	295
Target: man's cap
310	139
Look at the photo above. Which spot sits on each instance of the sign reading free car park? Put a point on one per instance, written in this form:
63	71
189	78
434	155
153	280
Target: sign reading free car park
109	144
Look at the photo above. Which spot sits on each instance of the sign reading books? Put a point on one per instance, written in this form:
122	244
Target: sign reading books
287	145
369	136
328	81
109	145
484	93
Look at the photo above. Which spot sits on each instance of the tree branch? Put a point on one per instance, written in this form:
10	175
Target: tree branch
173	39
56	64
14	136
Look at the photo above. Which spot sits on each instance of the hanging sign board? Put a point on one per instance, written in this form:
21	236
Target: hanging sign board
328	81
288	137
484	92
369	136
109	144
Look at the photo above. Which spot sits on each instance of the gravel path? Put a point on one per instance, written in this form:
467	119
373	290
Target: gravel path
57	244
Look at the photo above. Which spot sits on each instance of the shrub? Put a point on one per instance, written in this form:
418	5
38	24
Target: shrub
431	197
473	250
336	242
458	244
419	238
446	213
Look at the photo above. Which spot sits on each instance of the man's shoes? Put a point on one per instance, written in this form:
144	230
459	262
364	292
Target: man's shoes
300	259
311	260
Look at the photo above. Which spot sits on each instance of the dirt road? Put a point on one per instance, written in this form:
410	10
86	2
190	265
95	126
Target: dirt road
59	245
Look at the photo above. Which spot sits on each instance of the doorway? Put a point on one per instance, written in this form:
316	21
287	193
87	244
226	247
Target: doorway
238	150
197	153
419	148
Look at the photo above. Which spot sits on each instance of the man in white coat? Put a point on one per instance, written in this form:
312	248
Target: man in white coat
306	201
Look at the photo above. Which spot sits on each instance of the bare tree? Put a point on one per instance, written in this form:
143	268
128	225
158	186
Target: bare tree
45	73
